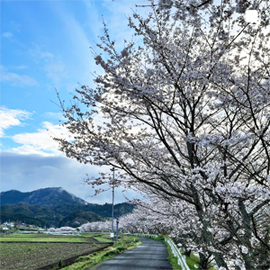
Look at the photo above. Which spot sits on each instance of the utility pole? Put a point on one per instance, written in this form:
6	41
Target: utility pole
112	233
117	223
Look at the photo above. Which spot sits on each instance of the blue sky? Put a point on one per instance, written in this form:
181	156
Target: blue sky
45	46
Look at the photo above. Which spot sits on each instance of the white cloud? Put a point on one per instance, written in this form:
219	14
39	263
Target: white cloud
81	36
41	142
54	67
56	71
11	118
31	172
38	54
94	18
117	20
54	115
16	79
7	35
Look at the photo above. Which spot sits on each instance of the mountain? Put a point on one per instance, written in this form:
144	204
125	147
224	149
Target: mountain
54	207
78	218
47	197
104	210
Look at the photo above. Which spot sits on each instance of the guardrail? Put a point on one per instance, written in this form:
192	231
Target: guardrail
181	260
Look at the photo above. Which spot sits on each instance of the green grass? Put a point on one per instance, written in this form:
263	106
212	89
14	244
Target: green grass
40	238
192	261
102	239
98	257
172	259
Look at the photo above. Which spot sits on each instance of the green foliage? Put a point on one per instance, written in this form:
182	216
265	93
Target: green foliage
54	207
192	261
110	253
159	238
98	257
72	215
121	248
60	263
78	218
104	211
30	214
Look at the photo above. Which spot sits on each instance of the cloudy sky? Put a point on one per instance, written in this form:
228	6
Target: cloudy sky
45	46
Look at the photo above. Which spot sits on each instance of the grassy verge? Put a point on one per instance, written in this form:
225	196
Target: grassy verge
85	262
192	261
102	239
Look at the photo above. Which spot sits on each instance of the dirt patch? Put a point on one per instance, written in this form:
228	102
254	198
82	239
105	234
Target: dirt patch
26	256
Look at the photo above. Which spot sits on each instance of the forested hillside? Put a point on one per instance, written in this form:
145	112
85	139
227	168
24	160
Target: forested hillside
32	208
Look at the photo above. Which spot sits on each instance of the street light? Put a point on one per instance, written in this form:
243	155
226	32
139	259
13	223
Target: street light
112	234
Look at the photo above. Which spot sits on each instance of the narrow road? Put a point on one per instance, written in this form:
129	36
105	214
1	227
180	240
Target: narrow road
151	255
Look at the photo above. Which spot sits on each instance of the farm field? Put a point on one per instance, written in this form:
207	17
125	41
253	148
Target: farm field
43	238
36	251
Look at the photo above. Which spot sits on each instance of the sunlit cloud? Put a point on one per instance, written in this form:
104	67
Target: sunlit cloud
56	71
94	18
34	171
41	142
54	115
54	68
83	37
117	22
16	79
11	118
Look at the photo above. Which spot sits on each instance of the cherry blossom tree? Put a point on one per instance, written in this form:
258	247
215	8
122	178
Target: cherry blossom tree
97	226
183	113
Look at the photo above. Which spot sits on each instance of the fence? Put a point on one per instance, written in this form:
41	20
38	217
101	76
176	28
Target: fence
181	260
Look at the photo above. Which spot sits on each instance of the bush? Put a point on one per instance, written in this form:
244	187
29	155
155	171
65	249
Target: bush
121	248
111	253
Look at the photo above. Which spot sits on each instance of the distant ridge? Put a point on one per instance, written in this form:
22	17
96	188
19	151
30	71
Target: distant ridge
54	206
52	197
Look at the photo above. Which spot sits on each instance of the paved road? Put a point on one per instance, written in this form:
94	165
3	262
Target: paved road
151	255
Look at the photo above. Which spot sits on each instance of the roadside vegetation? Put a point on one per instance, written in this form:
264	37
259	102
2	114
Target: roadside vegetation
192	261
87	262
41	251
181	112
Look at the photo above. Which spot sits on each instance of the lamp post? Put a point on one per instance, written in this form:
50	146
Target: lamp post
112	234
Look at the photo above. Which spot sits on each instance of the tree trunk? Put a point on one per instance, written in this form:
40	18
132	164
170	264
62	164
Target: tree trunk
188	252
203	262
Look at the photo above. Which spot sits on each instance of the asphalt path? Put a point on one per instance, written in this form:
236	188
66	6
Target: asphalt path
150	255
